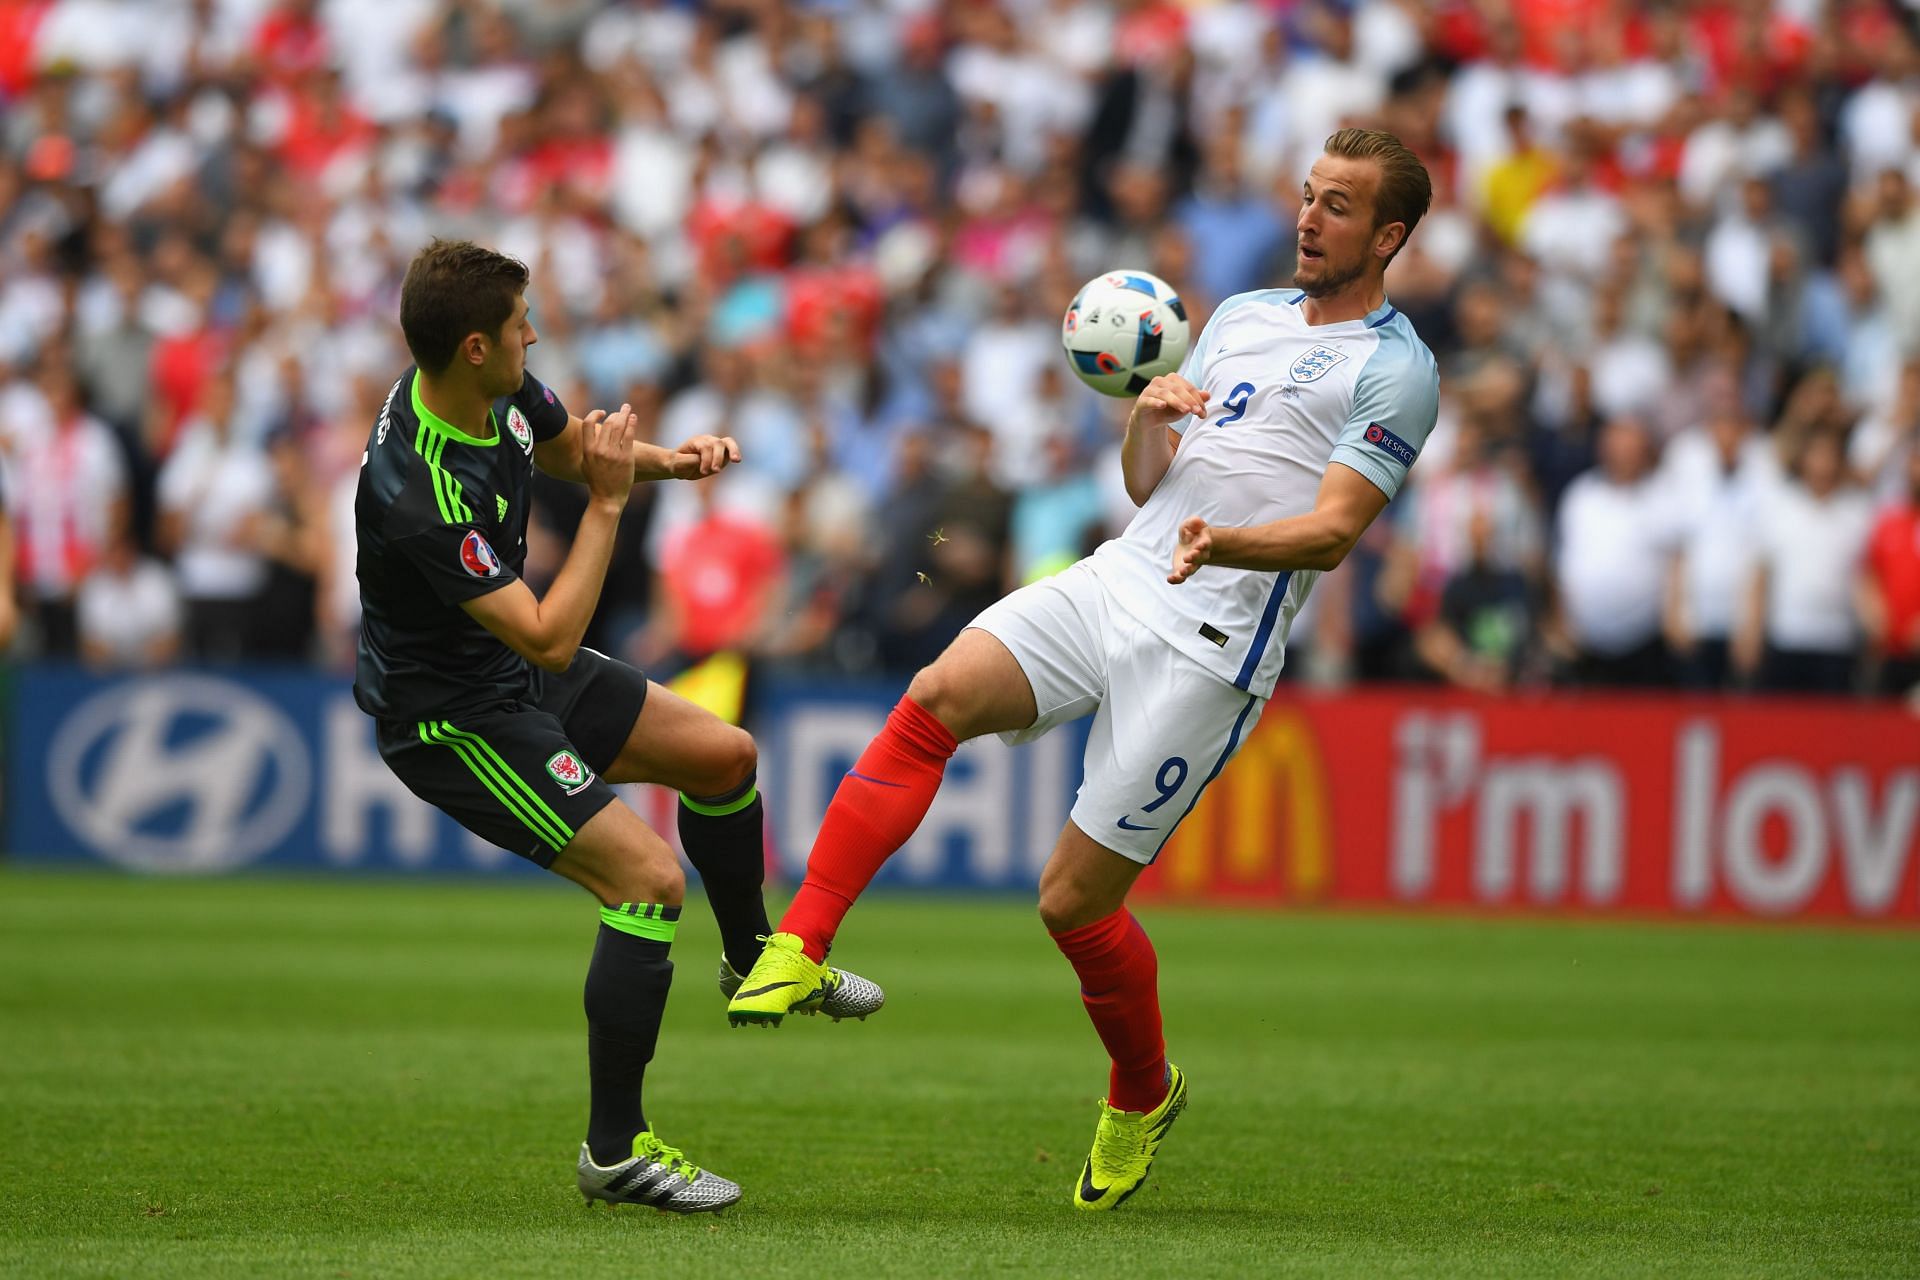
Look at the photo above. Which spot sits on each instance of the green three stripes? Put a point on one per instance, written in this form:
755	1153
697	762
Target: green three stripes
446	490
508	787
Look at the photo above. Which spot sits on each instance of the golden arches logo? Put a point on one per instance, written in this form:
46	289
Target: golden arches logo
1263	823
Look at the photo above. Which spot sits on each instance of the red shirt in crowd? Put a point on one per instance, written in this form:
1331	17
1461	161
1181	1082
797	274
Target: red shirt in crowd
1893	557
320	127
834	308
288	43
19	24
719	573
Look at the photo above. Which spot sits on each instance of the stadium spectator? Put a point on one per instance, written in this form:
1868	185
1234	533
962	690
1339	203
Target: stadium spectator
718	580
1617	538
1890	594
1056	517
1716	477
1240	226
1800	630
215	494
129	610
71	482
1483	636
1809	185
1884	440
1892	247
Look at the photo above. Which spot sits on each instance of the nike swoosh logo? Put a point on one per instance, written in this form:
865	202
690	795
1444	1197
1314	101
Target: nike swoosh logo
1128	826
760	991
878	782
1088	1191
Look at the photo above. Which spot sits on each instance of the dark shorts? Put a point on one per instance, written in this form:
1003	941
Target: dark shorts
525	775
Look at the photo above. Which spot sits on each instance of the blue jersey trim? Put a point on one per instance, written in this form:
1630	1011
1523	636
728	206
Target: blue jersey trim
1233	740
1263	632
1390	314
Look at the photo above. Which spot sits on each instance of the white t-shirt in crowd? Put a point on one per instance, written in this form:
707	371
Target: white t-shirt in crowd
1615	540
1812	549
1718	510
216	486
123	615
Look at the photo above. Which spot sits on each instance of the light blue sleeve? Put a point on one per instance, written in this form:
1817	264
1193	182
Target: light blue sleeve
1395	404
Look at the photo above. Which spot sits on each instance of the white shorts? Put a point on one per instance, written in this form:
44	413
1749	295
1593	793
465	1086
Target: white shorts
1163	725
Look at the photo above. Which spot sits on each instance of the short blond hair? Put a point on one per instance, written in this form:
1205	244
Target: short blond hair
1405	191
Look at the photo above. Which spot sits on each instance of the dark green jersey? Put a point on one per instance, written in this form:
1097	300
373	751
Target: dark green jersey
441	518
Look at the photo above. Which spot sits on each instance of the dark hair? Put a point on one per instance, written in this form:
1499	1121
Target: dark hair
1405	189
454	288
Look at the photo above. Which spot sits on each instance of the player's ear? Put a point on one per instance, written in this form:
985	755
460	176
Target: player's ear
1388	238
474	348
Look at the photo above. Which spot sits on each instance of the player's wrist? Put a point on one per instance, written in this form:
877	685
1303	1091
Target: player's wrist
1221	544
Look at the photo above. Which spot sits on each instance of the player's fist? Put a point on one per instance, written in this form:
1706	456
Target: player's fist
606	453
1166	400
703	456
1195	549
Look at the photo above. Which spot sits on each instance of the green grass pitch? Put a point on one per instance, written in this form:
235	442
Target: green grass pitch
342	1079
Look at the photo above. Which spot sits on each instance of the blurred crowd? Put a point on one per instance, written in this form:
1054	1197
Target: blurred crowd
1670	277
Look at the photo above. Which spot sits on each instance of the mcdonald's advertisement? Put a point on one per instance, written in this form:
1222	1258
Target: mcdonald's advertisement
1642	805
1396	798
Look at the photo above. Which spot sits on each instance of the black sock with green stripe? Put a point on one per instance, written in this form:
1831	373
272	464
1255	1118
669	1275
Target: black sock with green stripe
724	837
626	994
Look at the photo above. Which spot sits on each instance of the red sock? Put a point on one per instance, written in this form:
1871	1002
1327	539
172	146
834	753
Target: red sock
1119	985
877	806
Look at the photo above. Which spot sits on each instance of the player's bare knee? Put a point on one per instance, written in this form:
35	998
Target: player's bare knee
930	690
630	873
648	879
1064	904
739	758
936	691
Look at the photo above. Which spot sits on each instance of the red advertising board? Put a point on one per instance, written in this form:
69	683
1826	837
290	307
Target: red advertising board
1644	805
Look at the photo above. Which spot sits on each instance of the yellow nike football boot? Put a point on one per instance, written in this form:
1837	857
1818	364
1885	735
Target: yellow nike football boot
1124	1146
782	981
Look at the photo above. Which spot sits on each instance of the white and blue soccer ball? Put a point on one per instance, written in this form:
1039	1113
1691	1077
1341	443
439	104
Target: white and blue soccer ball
1123	330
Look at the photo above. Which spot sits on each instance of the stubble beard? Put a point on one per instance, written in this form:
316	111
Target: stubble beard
1331	281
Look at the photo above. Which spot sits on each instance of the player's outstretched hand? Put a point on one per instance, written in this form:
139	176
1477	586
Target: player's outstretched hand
606	453
1166	400
703	456
1195	549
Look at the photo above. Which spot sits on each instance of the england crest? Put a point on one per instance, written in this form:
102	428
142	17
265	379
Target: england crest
1314	365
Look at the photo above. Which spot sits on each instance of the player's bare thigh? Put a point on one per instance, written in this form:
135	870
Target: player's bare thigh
618	858
677	744
975	687
1083	881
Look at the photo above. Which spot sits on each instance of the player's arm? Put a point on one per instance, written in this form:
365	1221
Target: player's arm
1320	539
1147	451
547	632
561	456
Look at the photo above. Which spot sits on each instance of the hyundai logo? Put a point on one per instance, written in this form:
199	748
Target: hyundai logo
179	773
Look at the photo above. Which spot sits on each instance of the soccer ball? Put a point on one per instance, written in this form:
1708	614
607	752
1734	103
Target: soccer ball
1124	329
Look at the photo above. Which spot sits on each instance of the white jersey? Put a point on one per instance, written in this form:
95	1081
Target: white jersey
1286	398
